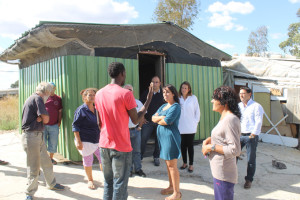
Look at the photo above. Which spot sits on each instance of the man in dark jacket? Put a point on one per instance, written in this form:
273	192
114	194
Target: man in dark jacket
149	127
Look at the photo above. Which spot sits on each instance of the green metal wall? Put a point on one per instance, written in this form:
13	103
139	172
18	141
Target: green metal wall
203	81
71	74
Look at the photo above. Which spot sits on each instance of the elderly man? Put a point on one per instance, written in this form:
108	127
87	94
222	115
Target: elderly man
251	122
150	127
34	117
135	138
51	131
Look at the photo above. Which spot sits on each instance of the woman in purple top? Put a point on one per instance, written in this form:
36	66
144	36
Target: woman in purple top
224	144
87	132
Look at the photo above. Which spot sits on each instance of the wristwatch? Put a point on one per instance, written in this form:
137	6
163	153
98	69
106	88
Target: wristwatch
213	147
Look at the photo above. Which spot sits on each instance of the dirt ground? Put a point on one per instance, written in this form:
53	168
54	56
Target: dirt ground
269	182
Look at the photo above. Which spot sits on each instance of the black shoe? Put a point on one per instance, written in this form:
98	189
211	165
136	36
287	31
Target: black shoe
190	169
131	174
140	173
183	167
156	162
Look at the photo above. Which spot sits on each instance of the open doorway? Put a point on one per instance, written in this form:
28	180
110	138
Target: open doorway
150	64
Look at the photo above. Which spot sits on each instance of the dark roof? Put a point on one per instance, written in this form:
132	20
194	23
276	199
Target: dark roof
52	39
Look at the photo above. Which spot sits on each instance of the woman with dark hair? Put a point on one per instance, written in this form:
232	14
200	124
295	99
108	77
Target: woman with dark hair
188	121
224	144
167	117
87	133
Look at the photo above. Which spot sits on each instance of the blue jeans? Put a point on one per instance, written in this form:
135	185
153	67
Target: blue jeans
251	144
51	137
116	169
147	131
135	138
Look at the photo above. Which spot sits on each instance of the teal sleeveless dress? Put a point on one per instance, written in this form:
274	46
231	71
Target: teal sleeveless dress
169	136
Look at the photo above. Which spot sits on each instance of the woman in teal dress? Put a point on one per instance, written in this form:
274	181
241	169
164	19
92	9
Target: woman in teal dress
168	135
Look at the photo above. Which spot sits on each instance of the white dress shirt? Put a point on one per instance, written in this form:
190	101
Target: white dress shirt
252	117
138	108
190	115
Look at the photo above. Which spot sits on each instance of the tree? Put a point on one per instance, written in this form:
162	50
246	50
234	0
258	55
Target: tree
15	84
292	44
258	41
180	12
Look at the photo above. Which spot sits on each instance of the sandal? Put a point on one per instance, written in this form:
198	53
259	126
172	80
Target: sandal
91	185
2	162
53	161
166	191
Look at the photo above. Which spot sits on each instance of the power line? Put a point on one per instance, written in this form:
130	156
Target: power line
8	71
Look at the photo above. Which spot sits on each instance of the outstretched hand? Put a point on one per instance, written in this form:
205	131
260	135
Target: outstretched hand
150	93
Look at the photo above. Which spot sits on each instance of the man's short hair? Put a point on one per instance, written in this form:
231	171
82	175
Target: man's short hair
248	90
44	88
115	68
155	77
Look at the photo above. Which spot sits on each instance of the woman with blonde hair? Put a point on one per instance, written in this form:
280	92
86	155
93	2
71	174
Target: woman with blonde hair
87	133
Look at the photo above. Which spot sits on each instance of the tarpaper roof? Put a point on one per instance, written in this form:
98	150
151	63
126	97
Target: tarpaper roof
53	39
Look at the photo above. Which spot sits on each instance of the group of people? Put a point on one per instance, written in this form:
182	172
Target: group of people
115	127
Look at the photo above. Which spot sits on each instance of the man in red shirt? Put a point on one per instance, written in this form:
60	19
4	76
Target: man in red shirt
51	131
115	105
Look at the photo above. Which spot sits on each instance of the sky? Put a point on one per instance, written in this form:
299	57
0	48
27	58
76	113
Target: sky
225	24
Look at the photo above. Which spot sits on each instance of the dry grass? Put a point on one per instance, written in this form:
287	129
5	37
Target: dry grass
9	114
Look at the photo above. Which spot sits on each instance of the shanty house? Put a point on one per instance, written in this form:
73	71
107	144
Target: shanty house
275	83
76	56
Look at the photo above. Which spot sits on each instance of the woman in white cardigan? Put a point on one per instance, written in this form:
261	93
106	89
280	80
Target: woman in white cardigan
189	119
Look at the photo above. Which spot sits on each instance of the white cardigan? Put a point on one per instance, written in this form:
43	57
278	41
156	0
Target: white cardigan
190	115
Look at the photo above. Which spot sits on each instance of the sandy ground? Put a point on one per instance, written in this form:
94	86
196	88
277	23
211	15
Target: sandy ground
269	183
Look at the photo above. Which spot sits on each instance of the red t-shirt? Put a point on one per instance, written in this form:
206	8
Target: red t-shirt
53	105
112	103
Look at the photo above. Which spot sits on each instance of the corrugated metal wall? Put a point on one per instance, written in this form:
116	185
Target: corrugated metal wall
203	81
71	74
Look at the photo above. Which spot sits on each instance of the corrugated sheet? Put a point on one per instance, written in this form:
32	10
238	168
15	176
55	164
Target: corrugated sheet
71	74
203	81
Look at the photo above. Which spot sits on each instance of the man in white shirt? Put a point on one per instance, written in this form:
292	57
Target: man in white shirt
251	122
135	138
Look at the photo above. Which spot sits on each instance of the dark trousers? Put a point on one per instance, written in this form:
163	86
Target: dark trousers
147	130
187	146
251	145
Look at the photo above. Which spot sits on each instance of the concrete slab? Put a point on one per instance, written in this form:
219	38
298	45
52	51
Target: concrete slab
269	183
